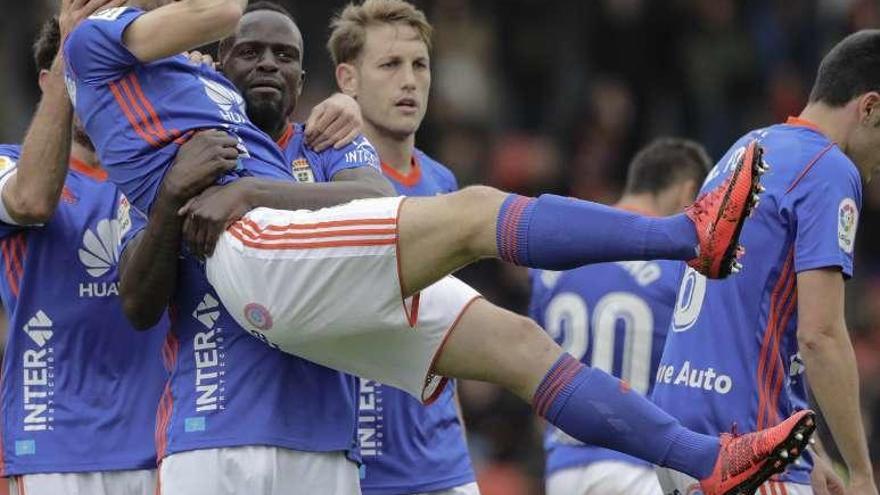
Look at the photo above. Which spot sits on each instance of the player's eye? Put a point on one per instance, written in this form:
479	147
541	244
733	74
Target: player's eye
247	53
390	64
284	56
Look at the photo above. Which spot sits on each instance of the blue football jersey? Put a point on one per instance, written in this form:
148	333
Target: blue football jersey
731	359
80	386
408	447
612	316
138	115
220	374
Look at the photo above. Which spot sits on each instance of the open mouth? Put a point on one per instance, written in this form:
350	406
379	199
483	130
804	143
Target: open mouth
407	103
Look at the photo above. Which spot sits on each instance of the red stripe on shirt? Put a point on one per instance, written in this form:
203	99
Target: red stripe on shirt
123	105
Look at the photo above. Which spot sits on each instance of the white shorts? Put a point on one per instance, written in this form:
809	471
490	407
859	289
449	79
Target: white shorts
324	285
676	483
604	478
469	489
134	482
259	470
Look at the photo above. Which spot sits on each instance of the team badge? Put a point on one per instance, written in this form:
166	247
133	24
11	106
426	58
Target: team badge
847	223
258	316
302	171
123	216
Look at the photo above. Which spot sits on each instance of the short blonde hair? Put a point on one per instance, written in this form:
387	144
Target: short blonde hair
349	28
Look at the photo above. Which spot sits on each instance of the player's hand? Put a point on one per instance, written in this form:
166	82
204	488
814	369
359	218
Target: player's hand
336	122
199	163
75	11
823	478
210	213
199	58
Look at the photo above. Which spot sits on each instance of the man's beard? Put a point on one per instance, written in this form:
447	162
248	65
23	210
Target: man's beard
268	117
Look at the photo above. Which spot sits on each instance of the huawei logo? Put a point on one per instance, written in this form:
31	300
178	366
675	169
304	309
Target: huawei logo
100	251
230	103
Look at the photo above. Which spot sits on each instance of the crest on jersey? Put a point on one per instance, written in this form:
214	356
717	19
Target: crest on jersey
847	223
230	103
258	316
302	171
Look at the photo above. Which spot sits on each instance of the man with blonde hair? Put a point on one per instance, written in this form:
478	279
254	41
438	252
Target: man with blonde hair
422	449
364	287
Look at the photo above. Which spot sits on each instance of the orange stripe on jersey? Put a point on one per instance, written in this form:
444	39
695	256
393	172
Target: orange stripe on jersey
770	354
7	261
772	411
236	232
809	167
123	105
157	122
137	105
763	377
320	225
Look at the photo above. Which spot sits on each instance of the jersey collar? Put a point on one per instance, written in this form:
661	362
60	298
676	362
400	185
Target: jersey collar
285	138
799	122
96	173
409	179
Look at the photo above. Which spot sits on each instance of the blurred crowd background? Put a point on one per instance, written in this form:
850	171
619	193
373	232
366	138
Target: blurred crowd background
556	95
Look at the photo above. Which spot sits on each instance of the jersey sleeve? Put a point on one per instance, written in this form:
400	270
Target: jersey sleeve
449	182
9	156
94	50
825	206
359	153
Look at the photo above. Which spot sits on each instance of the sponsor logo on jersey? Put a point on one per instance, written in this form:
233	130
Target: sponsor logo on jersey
109	14
230	103
363	153
38	367
848	222
100	251
690	301
371	420
692	377
302	171
210	361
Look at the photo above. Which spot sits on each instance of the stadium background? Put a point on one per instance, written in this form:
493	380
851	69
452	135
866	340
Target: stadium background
556	95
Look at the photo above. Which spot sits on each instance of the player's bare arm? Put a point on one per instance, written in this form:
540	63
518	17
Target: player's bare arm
32	193
208	215
830	363
180	26
148	266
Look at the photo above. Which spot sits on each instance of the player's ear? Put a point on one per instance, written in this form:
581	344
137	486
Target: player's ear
41	79
347	79
301	83
869	109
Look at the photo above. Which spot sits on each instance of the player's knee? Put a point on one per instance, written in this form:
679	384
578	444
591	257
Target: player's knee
474	197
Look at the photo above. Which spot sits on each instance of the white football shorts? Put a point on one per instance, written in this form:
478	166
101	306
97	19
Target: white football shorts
259	470
324	285
604	478
133	482
674	482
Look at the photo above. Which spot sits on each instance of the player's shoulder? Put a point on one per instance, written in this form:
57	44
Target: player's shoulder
429	164
103	19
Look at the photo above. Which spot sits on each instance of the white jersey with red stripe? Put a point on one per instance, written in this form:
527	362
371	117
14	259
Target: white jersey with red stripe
731	360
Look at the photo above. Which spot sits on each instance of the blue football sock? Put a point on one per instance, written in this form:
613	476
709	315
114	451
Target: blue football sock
601	410
556	233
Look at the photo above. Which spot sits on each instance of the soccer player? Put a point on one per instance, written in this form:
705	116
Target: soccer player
79	385
407	448
239	416
614	316
282	273
742	352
